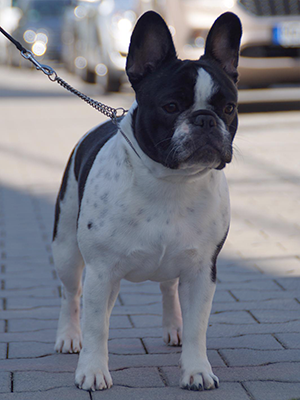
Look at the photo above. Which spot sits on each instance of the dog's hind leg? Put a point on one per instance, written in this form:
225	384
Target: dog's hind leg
69	264
172	320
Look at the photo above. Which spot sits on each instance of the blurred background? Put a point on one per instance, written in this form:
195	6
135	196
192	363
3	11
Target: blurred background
90	38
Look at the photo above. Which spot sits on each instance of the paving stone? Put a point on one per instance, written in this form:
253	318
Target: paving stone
131	299
142	309
53	363
134	333
290	284
259	342
30	325
281	372
290	340
228	391
117	322
44	292
18	303
232	317
16	283
222	330
38	313
274	390
42	336
255	285
41	381
249	296
2	326
140	288
247	357
223	296
5	382
117	362
271	316
148	321
54	394
281	304
125	346
30	350
138	378
3	351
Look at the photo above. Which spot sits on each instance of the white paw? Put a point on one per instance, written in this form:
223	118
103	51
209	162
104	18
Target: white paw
68	341
172	335
201	378
92	377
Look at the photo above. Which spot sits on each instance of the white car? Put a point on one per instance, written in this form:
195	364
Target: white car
270	46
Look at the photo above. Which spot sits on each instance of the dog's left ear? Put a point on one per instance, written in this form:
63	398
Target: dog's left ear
223	43
151	45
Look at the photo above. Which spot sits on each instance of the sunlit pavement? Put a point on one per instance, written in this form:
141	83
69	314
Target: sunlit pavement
253	337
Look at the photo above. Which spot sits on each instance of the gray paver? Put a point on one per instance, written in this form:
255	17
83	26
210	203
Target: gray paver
3	350
277	315
41	381
290	340
125	346
274	390
54	394
229	391
30	349
138	378
30	325
5	382
247	357
274	372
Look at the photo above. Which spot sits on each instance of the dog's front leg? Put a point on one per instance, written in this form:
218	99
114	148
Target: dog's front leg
172	320
196	291
99	295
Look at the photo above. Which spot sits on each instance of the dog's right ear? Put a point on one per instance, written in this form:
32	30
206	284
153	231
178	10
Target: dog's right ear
151	45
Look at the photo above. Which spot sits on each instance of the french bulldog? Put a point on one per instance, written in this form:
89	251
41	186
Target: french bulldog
147	199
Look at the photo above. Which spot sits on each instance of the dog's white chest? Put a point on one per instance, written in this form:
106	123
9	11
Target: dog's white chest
144	227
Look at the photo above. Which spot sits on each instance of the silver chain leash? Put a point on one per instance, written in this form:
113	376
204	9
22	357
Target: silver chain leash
112	113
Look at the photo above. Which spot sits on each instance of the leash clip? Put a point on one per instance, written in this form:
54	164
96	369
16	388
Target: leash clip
52	75
117	113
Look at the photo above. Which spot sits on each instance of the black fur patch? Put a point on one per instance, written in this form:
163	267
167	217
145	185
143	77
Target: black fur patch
88	150
215	256
61	195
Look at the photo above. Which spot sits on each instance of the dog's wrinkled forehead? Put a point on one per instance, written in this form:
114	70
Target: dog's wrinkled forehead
204	89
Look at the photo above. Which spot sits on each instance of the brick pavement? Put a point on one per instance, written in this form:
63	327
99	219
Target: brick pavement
254	331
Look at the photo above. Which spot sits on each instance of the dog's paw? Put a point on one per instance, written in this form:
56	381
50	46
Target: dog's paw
201	378
92	378
172	335
68	341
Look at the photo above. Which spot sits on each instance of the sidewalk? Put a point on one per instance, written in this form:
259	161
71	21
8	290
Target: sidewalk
254	333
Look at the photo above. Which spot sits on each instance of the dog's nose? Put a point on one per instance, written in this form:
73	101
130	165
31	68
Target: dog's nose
204	119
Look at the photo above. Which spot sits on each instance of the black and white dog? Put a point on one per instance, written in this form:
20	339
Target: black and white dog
155	207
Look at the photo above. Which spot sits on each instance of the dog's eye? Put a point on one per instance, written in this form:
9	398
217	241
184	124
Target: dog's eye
229	108
171	108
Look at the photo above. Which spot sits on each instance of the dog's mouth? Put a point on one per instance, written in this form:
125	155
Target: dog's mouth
208	156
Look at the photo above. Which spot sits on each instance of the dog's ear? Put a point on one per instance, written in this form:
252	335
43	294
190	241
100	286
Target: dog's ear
151	45
223	43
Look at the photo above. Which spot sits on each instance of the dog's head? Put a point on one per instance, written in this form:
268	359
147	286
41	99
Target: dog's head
187	110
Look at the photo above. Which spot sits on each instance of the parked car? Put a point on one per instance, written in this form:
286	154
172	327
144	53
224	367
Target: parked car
96	39
39	30
270	46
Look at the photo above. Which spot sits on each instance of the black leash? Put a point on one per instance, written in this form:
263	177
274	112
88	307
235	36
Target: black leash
112	113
